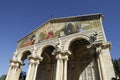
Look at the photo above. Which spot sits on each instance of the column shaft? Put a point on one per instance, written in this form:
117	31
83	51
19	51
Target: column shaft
30	73
33	65
65	69
101	67
14	71
9	72
59	69
18	71
35	72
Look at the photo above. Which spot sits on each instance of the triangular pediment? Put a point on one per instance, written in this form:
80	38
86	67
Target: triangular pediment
58	27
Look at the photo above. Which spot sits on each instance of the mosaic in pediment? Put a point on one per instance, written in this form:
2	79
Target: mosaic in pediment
52	30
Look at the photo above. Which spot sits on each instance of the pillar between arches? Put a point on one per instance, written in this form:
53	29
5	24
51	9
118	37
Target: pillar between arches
104	62
34	61
14	70
61	69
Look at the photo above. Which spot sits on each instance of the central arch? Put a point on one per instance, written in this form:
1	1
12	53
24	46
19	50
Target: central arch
80	64
47	67
73	38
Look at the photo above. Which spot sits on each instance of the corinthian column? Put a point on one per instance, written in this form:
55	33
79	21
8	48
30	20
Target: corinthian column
14	70
33	65
65	67
101	65
9	72
59	68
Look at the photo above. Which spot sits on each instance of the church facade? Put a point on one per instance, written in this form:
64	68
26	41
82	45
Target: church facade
69	48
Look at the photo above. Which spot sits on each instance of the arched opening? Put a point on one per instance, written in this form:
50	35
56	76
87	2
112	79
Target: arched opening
47	67
80	64
25	55
25	64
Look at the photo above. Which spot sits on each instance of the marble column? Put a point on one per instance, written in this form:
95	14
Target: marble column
18	72
100	64
103	74
97	50
33	65
65	67
105	66
14	70
59	68
8	74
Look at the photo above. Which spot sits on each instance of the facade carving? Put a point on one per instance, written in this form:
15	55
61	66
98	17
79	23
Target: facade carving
77	51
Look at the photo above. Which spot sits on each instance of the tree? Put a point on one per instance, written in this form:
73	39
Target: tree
3	77
116	63
22	75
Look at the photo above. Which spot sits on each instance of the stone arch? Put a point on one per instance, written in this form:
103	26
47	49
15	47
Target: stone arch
22	57
43	46
80	61
67	44
24	54
47	53
47	65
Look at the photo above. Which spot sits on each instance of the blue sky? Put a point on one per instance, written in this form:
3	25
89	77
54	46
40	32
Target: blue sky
20	17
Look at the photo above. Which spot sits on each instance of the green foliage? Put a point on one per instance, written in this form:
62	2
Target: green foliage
116	63
22	75
3	77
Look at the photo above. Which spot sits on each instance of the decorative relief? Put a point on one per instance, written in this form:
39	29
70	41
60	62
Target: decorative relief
52	30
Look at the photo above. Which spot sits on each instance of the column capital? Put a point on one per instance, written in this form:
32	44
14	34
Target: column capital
100	45
59	57
15	63
34	59
66	52
65	57
106	45
97	47
62	56
58	51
